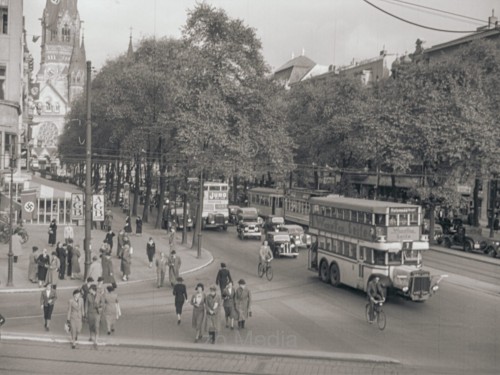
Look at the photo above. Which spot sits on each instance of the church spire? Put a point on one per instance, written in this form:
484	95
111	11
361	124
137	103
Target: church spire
130	51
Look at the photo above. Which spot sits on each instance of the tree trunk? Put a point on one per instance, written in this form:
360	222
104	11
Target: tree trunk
235	188
493	199
149	184
475	220
137	184
119	172
185	216
199	211
432	208
161	199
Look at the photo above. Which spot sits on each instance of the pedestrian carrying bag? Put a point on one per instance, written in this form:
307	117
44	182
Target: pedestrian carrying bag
67	327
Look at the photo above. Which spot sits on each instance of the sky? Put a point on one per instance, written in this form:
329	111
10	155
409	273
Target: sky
327	31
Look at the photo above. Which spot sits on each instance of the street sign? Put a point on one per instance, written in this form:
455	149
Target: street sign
76	206
98	207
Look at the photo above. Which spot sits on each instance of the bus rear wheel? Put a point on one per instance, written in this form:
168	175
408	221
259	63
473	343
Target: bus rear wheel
334	274
324	272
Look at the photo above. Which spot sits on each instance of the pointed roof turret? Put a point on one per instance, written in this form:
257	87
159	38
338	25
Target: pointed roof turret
130	51
77	61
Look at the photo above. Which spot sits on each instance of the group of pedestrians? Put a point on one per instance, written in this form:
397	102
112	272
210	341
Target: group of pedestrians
93	303
45	268
207	307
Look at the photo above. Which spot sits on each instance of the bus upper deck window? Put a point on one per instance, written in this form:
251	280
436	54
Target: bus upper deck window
380	219
328	212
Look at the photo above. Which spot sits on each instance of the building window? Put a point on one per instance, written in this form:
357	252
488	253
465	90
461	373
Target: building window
3	79
53	35
57	107
66	33
4	14
48	107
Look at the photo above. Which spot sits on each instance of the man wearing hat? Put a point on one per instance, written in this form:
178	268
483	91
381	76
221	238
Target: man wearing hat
213	313
242	303
223	277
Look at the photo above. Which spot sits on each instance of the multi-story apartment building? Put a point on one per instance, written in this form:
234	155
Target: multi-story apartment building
11	78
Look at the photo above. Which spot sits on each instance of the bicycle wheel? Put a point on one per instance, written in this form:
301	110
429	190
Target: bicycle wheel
367	313
381	320
269	273
260	270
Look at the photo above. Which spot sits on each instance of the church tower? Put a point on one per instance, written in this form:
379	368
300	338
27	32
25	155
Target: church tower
62	69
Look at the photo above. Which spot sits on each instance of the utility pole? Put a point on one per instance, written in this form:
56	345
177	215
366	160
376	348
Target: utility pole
11	212
88	176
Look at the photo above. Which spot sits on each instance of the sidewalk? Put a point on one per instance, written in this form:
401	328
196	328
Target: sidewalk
184	359
140	265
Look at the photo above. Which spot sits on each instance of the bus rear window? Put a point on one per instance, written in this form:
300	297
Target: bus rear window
380	219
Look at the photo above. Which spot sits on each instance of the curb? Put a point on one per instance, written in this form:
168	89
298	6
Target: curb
471	256
33	290
208	348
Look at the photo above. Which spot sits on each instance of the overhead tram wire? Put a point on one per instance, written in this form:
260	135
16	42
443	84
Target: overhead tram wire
418	24
453	16
440	11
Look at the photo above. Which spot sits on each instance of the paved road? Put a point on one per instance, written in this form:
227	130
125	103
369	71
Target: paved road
456	332
35	358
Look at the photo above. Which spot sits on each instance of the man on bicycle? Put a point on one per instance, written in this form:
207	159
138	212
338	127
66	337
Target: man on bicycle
375	294
265	255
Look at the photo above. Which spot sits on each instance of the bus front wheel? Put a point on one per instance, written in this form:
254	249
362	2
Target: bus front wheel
334	274
324	272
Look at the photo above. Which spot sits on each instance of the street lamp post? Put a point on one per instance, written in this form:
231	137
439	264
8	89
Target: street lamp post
11	209
88	176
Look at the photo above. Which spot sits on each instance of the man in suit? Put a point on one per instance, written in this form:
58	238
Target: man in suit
74	316
47	301
223	277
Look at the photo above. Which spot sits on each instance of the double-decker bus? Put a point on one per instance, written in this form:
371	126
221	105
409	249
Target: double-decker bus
215	202
355	240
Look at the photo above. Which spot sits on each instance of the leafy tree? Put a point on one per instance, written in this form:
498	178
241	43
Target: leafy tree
228	109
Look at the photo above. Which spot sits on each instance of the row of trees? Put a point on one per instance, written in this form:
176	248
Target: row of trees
200	106
204	105
436	120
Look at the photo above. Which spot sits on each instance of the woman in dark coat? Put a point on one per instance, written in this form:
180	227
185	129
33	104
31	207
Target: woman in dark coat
52	232
138	226
43	262
150	251
128	226
62	254
180	297
69	258
109	239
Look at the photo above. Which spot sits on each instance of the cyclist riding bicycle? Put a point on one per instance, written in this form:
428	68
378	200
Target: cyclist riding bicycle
375	294
265	254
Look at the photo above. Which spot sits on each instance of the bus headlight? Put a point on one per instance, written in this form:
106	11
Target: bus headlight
405	289
435	288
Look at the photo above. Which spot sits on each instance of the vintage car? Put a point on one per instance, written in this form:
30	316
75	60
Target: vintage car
273	223
281	245
460	239
297	235
248	229
214	220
